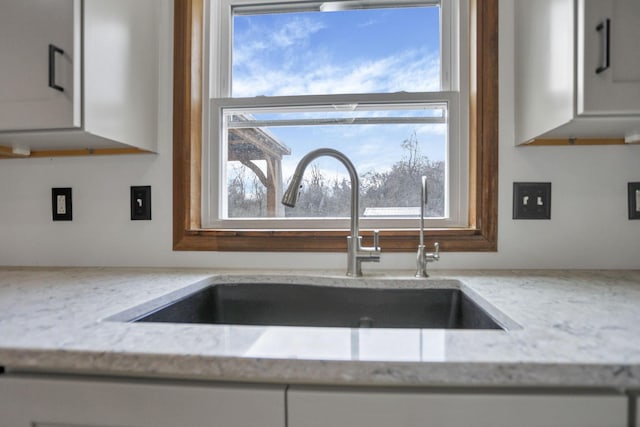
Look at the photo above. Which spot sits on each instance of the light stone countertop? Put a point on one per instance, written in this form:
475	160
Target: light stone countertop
566	328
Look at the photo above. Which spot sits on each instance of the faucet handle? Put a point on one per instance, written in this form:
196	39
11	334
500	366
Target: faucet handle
424	258
376	240
434	256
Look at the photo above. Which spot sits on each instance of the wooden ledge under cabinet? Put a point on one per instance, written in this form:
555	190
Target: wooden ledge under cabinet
8	153
575	141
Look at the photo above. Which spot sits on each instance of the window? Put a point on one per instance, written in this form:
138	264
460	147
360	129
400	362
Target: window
241	116
376	80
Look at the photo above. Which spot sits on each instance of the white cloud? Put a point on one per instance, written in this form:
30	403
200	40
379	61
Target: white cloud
368	23
406	71
296	31
259	42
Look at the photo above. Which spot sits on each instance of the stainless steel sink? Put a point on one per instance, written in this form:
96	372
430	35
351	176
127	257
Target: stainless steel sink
324	306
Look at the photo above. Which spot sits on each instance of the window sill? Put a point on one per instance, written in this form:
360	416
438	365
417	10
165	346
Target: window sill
467	240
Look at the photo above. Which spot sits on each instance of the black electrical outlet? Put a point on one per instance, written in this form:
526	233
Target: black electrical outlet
141	203
61	204
531	200
634	200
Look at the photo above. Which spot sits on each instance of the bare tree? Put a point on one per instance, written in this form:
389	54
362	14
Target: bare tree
324	197
246	194
400	186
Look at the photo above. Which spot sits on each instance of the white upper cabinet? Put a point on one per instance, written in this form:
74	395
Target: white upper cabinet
577	69
609	57
40	67
79	73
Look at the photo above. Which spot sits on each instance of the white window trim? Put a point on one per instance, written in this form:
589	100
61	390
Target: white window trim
217	65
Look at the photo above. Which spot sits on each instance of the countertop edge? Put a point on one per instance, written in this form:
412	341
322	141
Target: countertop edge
323	372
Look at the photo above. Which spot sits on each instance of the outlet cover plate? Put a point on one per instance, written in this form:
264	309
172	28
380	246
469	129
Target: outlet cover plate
141	203
531	200
61	205
634	200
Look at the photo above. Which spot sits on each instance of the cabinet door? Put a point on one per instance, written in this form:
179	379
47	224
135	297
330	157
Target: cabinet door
37	402
323	408
30	70
608	57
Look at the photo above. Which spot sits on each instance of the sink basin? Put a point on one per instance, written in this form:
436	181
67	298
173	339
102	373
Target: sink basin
324	306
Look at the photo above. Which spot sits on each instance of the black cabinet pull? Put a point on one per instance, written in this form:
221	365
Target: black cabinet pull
605	29
52	67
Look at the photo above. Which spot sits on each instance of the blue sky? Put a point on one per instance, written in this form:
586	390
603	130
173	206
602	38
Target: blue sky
375	50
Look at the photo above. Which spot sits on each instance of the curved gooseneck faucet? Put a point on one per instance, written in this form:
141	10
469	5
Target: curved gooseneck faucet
356	253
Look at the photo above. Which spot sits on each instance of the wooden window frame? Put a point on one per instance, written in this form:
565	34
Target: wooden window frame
188	235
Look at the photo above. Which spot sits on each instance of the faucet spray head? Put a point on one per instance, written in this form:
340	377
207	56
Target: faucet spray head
290	197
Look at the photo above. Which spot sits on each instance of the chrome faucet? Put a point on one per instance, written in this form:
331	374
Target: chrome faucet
422	258
356	253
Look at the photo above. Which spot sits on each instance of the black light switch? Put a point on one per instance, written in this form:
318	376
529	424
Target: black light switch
141	203
634	200
531	200
61	204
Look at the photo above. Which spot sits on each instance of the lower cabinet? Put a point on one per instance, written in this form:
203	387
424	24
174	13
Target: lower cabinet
44	401
60	402
315	407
